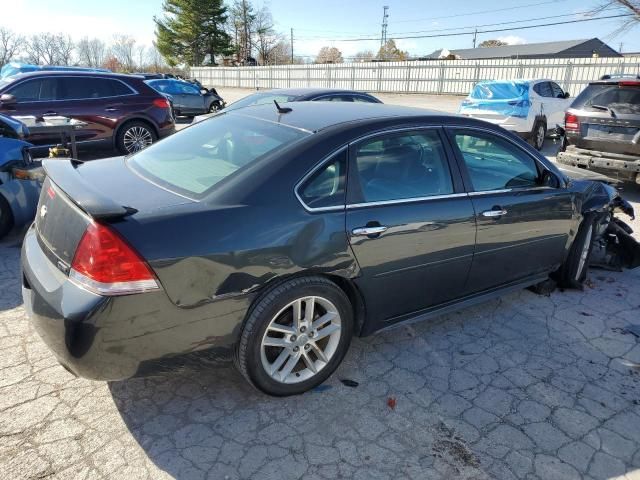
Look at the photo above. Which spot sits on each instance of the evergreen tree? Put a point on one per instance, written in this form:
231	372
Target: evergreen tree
192	31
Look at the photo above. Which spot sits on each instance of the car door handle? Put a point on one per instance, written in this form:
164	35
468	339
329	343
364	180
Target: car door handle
496	212
111	109
366	231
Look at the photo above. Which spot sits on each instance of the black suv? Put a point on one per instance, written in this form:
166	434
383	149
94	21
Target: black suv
602	128
120	110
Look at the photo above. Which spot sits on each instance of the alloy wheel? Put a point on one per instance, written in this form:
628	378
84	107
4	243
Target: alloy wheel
540	136
301	339
137	138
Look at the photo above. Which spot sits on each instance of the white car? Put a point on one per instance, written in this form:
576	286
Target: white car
529	108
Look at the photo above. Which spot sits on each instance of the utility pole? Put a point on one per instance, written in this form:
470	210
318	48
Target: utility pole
385	15
292	46
475	34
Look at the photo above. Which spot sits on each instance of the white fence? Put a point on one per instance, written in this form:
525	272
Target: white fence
455	77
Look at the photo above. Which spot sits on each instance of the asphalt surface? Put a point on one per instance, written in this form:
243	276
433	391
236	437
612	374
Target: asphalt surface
526	387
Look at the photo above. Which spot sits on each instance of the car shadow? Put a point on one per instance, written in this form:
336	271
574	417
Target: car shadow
11	296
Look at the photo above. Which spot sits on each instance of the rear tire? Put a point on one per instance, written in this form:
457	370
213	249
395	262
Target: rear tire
282	357
573	271
135	136
6	217
538	134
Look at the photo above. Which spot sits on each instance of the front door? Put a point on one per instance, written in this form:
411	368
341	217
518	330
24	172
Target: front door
410	224
523	225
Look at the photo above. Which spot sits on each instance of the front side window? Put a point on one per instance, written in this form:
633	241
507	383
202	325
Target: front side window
193	161
326	187
403	166
494	163
187	89
557	91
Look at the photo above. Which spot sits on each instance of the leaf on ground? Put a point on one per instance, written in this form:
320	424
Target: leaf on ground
349	383
391	403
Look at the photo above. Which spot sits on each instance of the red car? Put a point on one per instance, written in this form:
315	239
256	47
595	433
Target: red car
120	109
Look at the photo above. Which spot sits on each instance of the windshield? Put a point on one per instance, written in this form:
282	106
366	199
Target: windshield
622	98
261	99
499	90
193	161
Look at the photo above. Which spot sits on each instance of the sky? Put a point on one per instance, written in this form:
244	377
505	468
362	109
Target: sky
318	23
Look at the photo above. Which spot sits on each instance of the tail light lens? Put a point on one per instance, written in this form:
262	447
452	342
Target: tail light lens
571	123
161	103
105	264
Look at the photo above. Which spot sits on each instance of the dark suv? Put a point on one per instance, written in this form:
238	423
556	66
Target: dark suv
602	128
120	109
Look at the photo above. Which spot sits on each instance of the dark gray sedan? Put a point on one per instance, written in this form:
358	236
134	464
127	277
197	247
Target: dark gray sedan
274	235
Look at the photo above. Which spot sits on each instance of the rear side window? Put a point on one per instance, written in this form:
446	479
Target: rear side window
543	89
195	160
403	166
326	187
494	163
82	88
557	91
363	99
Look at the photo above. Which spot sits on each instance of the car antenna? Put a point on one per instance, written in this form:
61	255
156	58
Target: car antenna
282	109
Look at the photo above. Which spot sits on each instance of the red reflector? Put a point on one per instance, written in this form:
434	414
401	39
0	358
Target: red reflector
51	192
571	123
106	264
161	103
629	84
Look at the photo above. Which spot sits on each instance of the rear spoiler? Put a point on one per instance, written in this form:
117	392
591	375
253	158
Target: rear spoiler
64	173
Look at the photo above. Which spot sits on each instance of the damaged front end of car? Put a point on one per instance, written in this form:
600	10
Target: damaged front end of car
613	246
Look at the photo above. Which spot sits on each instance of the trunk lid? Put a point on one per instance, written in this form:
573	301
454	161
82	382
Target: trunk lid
75	194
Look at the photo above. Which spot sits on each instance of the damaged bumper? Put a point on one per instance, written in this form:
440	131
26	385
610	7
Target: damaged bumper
621	166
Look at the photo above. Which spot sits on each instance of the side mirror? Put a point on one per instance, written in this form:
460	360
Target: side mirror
566	95
548	179
204	91
7	99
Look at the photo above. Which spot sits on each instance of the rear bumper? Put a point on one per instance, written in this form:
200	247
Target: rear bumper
624	167
113	338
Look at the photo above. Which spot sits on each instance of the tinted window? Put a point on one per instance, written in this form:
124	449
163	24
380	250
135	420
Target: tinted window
326	188
607	94
163	86
364	99
410	165
494	163
80	88
194	160
543	89
556	90
186	88
335	98
261	99
36	90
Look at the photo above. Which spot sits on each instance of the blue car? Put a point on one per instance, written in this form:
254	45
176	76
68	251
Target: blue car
15	68
20	176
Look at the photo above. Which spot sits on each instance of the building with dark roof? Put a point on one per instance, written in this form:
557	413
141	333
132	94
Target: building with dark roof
593	47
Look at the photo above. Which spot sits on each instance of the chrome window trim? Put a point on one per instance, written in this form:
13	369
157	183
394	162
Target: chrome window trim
322	163
133	90
406	200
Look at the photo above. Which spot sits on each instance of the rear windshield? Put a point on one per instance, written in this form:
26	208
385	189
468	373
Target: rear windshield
193	161
619	97
261	99
499	90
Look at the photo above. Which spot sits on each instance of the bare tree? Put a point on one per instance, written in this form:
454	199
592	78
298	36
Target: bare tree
91	52
141	57
50	49
10	44
122	50
242	21
364	56
630	7
329	55
267	38
155	60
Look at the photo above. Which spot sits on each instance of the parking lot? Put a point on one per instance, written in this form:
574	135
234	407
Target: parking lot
527	387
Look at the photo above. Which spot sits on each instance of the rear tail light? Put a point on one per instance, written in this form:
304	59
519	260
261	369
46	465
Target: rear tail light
105	264
571	123
629	83
161	103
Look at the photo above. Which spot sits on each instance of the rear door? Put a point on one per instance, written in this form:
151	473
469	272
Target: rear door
411	226
523	226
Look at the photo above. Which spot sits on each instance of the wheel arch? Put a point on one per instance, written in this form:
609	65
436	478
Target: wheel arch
137	118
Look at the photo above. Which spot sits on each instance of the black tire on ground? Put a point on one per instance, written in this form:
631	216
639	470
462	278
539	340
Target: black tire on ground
135	135
6	217
214	107
248	351
538	134
573	271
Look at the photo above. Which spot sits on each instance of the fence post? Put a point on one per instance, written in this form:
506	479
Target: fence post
441	77
224	77
567	77
408	87
520	70
308	77
353	76
238	78
379	85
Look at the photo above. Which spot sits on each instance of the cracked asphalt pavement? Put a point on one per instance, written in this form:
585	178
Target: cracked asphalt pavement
523	387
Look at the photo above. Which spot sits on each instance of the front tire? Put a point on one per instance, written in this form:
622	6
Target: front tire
295	336
214	107
573	271
135	136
